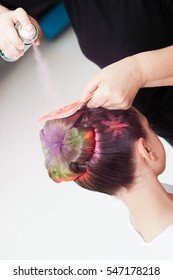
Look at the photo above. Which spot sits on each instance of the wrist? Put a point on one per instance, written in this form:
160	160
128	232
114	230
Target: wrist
137	71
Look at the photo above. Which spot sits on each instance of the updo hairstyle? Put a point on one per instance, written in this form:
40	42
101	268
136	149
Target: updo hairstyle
93	147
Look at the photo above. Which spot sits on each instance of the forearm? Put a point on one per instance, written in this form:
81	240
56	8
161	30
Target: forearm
156	67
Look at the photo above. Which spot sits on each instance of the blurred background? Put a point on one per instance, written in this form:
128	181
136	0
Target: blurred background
40	219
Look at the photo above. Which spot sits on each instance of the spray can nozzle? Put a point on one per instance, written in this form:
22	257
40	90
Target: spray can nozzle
27	34
28	37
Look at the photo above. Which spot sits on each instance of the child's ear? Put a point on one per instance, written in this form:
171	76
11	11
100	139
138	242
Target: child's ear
145	150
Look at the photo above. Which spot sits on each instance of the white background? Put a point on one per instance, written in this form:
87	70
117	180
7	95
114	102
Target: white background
40	219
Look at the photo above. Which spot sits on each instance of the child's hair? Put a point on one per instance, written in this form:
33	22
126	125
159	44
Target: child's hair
93	147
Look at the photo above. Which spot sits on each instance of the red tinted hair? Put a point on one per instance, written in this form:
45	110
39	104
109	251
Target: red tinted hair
94	147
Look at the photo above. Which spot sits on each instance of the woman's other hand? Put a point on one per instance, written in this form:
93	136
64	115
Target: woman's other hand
10	43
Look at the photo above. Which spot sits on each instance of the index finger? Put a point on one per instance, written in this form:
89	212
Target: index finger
13	37
90	88
20	15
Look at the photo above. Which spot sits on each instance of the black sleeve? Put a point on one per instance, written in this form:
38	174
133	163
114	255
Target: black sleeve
168	4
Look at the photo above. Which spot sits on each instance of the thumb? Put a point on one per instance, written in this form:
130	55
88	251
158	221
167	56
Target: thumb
89	88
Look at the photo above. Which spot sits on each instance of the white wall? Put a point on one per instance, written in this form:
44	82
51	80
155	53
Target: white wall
40	219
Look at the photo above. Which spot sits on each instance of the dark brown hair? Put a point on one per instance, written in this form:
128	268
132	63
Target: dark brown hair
94	147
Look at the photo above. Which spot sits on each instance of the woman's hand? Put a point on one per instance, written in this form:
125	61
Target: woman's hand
115	86
10	43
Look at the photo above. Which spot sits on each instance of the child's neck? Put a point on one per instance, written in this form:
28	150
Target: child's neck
150	207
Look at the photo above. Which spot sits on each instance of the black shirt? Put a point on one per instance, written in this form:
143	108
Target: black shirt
27	4
34	8
113	29
110	30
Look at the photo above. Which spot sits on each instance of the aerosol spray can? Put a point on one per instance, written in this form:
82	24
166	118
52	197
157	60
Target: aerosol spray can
27	37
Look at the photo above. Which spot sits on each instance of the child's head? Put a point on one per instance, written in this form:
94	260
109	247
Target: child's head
95	148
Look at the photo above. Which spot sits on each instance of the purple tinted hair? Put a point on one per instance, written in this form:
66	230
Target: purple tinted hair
94	147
